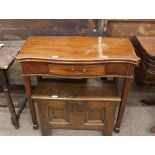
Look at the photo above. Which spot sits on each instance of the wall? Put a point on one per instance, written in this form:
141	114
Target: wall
17	29
123	28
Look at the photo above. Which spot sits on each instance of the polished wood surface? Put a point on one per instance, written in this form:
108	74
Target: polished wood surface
147	42
76	89
77	70
76	104
78	57
125	92
77	49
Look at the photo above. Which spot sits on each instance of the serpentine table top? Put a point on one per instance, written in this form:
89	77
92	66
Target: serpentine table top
78	49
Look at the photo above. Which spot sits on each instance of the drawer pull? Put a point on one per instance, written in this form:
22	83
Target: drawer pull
79	70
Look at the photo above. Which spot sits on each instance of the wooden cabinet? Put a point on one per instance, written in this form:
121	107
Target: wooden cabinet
76	105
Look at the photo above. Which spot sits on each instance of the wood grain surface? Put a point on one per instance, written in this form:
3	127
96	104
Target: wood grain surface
76	89
148	44
8	52
71	48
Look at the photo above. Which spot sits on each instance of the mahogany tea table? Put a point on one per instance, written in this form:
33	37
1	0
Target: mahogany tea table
78	57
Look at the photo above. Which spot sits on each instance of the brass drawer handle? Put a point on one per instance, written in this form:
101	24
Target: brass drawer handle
75	106
79	70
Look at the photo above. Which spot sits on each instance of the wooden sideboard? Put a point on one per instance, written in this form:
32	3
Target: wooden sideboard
78	57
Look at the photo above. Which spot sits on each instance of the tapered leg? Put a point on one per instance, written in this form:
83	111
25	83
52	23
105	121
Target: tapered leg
30	101
125	92
5	85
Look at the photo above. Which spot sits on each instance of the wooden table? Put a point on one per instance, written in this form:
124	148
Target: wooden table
78	57
7	57
145	72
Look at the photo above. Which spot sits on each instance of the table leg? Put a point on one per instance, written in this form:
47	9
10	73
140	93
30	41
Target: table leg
5	85
30	101
125	92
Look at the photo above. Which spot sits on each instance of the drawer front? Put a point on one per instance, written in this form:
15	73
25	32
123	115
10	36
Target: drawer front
65	70
77	114
76	70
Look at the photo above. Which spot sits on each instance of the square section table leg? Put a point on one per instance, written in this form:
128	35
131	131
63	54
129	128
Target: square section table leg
30	101
5	85
125	92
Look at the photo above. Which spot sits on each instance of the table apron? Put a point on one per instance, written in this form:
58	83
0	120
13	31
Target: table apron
78	71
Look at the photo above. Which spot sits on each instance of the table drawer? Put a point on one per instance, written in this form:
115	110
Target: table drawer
76	70
65	70
70	70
